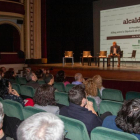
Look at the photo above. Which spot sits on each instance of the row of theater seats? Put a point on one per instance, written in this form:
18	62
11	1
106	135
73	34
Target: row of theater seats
112	99
76	129
60	87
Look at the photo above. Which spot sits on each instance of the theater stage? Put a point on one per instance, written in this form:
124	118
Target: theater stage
123	73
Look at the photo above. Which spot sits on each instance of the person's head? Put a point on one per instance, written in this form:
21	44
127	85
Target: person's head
27	70
90	87
1	74
114	43
1	115
77	95
98	81
3	69
41	126
31	77
44	95
79	77
128	118
39	73
10	74
4	87
44	71
60	76
49	79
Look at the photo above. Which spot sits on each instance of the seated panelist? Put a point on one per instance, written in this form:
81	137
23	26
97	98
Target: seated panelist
114	52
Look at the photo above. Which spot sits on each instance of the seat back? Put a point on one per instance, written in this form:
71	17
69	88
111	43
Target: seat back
94	103
69	87
22	81
29	111
16	87
76	129
132	95
102	133
86	53
133	54
112	94
103	54
110	106
1	100
13	109
59	86
99	94
27	91
41	82
68	53
61	98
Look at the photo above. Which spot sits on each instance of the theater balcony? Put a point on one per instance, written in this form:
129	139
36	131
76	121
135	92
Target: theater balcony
14	6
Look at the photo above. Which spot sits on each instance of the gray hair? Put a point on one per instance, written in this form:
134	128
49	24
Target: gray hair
78	76
1	115
29	76
41	126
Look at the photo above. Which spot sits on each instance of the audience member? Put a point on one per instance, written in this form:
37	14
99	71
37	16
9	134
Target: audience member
3	69
60	77
81	109
127	119
26	71
8	125
32	80
45	72
10	75
78	79
1	74
49	79
39	74
2	135
98	81
92	91
7	92
41	126
44	99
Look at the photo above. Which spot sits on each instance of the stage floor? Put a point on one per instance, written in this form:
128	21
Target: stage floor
129	72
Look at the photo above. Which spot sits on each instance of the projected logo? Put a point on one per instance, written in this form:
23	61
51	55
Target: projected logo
128	21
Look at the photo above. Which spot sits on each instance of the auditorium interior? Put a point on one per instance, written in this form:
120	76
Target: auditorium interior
36	34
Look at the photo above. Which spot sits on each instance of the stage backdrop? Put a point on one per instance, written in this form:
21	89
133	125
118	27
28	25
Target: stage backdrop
123	26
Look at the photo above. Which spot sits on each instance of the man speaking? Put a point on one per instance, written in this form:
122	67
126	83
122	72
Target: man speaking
114	52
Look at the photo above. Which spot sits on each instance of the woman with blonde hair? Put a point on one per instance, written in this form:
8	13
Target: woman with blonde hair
98	81
92	91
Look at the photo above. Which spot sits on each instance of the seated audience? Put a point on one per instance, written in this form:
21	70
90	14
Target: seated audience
98	81
49	79
26	71
127	119
44	99
1	74
2	135
41	126
91	90
39	74
78	79
8	125
60	77
45	72
32	80
11	75
7	92
81	109
3	69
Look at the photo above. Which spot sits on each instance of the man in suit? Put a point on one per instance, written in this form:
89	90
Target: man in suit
114	52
